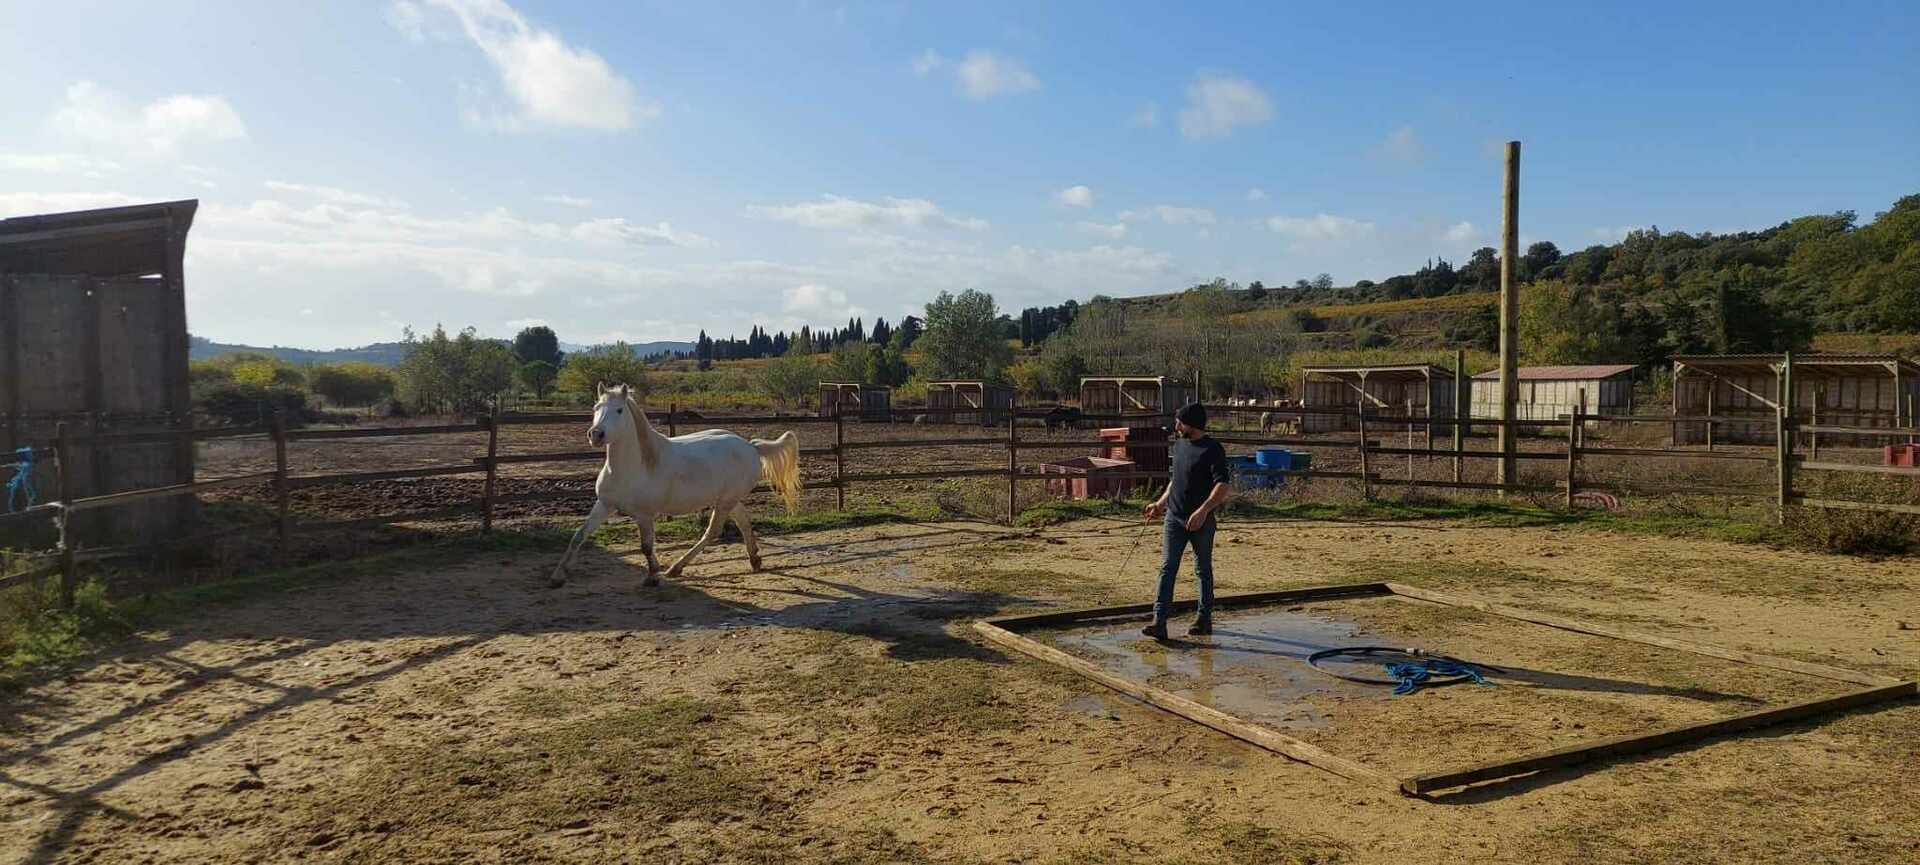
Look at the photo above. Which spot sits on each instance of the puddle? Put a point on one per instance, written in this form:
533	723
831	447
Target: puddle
1254	666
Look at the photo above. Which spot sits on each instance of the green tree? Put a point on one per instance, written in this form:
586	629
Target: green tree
887	365
537	376
790	378
453	374
353	383
537	343
964	338
610	365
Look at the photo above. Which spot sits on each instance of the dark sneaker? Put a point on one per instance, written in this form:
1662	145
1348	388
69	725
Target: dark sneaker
1157	630
1201	627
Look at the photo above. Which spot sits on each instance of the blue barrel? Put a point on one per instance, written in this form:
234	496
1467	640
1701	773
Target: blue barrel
1274	458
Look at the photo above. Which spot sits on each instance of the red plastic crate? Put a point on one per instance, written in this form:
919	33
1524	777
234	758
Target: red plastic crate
1085	478
1904	456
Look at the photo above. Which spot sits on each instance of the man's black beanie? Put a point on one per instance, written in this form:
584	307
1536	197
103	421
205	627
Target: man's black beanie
1192	414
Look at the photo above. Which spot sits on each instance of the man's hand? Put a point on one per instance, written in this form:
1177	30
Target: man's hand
1155	510
1198	519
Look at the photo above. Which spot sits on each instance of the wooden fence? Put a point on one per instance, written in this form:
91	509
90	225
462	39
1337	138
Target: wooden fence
1370	446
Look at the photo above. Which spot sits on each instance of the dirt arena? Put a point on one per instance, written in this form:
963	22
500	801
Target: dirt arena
838	709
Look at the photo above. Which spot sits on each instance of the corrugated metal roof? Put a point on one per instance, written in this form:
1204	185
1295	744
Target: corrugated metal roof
1812	362
1574	372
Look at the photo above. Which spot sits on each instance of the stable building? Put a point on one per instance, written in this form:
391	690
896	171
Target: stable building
1386	390
1553	392
1132	401
1856	390
968	402
868	402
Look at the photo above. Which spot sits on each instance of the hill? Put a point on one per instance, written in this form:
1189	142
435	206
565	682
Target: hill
382	353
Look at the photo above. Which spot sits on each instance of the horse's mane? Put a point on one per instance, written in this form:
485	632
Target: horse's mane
650	439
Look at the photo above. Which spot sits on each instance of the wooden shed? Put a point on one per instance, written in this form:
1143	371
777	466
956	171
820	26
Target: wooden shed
1552	392
1386	390
989	401
1145	401
1859	390
93	333
870	402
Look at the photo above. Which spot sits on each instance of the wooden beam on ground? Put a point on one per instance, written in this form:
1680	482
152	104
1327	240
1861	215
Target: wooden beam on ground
1271	740
1805	668
1635	744
1222	602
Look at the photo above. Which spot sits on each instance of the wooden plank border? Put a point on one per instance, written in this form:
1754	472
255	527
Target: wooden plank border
1004	632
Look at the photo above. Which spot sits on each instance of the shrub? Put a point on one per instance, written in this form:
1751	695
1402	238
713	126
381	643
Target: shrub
351	384
1851	531
248	404
610	365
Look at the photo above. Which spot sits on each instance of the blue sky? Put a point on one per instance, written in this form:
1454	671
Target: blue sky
644	170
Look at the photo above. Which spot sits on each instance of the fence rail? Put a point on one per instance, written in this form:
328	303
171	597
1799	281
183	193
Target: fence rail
1368	447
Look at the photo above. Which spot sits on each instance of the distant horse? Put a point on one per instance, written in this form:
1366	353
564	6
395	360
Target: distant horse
648	476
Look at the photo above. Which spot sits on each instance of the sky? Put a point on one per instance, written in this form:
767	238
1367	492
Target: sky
647	170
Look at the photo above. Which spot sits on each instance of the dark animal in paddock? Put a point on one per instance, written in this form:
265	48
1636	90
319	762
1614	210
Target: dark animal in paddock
1061	416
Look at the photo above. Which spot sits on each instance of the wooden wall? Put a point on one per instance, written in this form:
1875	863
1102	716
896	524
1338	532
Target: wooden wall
1324	392
1865	397
1551	399
106	356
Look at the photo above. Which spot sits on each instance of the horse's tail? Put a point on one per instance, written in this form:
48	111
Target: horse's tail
780	466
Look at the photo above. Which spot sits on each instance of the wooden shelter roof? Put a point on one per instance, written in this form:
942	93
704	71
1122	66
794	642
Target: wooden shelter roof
1576	372
1382	371
116	241
1824	365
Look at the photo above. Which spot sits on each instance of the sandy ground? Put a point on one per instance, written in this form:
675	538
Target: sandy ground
837	708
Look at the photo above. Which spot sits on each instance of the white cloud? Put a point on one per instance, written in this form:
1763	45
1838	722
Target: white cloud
158	128
1116	230
1256	194
59	163
549	82
1322	227
407	17
836	212
1614	234
619	231
1403	146
1170	215
335	195
1075	196
813	298
1219	104
928	63
984	75
567	200
1147	117
30	203
1461	232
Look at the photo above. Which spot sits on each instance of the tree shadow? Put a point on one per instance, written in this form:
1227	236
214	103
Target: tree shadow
463	605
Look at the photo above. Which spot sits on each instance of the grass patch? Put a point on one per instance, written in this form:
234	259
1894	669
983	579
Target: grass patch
1058	511
901	698
549	703
1025	582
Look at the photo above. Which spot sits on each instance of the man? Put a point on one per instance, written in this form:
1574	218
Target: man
1196	487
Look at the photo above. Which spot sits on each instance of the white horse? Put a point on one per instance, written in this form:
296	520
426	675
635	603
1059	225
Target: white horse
648	475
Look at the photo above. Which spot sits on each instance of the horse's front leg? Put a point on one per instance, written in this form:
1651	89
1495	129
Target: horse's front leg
594	518
646	548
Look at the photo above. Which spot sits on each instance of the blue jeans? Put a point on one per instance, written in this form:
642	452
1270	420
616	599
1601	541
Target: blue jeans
1175	541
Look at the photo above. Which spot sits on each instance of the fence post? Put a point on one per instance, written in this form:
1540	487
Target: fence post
839	456
1462	409
1573	442
1813	435
1366	477
63	453
1013	463
1783	454
673	411
1712	385
1409	439
493	468
280	491
1912	421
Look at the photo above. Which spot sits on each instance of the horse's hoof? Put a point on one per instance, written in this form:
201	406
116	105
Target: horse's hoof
650	581
755	563
556	582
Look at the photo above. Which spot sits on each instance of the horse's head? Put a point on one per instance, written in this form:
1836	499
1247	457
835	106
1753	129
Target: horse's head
612	415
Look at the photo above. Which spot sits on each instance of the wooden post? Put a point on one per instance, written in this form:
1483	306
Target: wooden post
1573	443
63	453
493	468
839	456
1911	421
1409	439
1462	409
280	490
1509	316
1783	434
1013	462
673	411
1712	385
1813	436
1366	478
